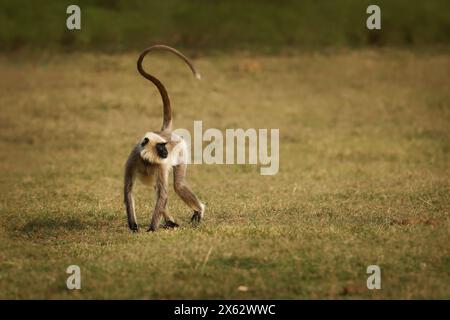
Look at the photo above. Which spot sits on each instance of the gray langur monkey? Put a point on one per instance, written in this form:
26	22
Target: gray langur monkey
155	155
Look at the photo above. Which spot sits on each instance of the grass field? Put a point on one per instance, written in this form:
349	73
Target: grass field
364	177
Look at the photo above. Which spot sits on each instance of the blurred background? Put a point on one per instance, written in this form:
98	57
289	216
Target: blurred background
265	26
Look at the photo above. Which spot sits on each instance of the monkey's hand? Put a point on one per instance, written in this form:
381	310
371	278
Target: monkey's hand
170	225
196	217
133	227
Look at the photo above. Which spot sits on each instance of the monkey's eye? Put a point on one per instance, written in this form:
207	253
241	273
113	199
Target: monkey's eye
144	142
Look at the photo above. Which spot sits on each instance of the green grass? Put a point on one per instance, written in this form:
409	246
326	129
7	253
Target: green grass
364	177
202	25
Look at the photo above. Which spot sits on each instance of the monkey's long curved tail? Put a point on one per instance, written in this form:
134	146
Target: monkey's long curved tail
167	121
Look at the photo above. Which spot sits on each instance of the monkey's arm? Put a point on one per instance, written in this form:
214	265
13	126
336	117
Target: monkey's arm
162	196
128	197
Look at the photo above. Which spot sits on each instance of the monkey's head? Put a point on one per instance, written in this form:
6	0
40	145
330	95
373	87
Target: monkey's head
153	148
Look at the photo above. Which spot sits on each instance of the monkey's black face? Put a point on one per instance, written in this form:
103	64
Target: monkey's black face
161	150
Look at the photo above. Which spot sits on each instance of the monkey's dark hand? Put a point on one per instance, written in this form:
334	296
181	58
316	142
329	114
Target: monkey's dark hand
170	225
196	217
134	227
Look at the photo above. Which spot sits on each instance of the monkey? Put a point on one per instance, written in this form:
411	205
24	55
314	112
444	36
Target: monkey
155	155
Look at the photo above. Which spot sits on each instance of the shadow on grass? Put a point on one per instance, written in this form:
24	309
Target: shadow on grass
63	228
50	225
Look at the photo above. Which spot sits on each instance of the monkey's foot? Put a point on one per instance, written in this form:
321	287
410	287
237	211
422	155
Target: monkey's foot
133	227
170	225
196	217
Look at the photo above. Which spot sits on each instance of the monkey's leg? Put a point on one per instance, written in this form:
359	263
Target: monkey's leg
169	222
162	197
129	202
179	173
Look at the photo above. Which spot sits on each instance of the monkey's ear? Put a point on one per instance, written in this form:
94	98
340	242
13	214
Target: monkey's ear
144	142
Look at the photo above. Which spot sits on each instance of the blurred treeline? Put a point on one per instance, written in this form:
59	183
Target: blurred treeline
266	25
